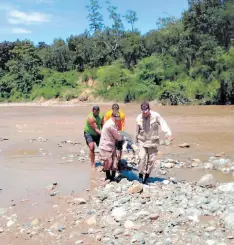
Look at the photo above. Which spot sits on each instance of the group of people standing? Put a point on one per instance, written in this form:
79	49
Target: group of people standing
107	132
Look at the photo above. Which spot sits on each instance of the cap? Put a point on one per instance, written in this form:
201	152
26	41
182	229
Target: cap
96	108
115	106
145	106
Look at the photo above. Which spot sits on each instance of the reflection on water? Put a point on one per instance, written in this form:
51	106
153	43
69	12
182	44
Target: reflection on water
23	152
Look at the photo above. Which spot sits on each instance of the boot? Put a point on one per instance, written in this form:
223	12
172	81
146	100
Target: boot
140	178
108	175
146	178
113	175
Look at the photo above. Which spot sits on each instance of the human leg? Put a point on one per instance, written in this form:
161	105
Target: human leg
152	160
90	143
106	160
143	161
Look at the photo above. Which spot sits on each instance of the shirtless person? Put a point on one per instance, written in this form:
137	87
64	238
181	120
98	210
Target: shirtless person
92	131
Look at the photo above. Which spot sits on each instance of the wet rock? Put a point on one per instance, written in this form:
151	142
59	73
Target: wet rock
219	154
82	152
54	227
102	195
98	237
211	242
61	228
229	187
79	201
1	230
166	182
53	194
166	142
35	222
79	242
91	220
230	237
142	214
124	200
162	172
168	165
10	223
225	170
131	225
208	165
184	145
196	160
154	216
138	238
136	188
3	139
229	220
207	180
210	229
118	231
81	159
119	213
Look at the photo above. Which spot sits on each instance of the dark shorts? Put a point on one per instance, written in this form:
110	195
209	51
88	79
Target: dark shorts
119	145
92	138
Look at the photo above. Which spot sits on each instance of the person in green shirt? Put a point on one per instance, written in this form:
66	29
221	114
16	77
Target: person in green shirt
92	131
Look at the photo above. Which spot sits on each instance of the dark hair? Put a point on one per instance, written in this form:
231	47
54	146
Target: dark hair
145	105
96	108
115	106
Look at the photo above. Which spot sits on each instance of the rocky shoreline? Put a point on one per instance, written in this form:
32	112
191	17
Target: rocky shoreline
126	212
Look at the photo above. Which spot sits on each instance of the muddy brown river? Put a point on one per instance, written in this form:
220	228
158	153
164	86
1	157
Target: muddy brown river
27	167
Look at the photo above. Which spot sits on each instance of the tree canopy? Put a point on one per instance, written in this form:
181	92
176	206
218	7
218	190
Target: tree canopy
181	61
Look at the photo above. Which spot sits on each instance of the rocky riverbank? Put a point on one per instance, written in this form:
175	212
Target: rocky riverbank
165	211
48	195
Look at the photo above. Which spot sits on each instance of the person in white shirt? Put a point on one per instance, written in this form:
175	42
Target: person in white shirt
147	139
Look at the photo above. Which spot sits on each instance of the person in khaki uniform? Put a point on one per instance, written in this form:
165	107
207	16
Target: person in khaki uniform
147	139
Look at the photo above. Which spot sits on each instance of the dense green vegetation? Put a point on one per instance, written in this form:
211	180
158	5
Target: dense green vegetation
187	60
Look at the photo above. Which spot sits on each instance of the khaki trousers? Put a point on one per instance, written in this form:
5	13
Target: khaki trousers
148	158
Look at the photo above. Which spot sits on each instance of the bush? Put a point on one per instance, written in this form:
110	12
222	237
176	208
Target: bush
54	84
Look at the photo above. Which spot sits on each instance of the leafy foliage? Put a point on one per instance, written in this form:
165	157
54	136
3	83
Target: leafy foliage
187	60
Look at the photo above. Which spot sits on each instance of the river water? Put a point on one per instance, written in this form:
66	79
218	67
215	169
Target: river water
26	168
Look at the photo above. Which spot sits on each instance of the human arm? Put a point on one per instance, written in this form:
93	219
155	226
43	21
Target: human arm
93	124
103	121
164	127
116	134
137	132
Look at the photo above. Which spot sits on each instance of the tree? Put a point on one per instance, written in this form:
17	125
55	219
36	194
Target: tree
95	17
23	71
214	17
131	48
131	18
5	54
116	18
166	21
